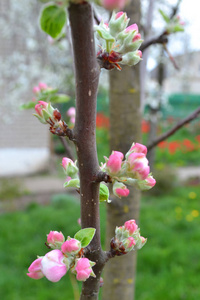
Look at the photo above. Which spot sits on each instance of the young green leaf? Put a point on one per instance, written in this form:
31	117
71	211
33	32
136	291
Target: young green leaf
103	192
165	17
52	20
85	236
28	105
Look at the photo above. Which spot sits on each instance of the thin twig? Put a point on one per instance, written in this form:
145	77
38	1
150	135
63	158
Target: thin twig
67	147
171	57
170	132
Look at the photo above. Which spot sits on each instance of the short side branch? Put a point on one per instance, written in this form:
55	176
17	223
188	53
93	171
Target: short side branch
179	125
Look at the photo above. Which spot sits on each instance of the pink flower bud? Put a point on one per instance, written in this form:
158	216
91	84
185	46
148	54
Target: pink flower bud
53	266
35	269
114	162
42	86
72	246
54	238
119	14
138	165
39	107
120	190
150	181
130	226
65	162
124	192
138	148
132	27
139	53
83	269
136	38
129	243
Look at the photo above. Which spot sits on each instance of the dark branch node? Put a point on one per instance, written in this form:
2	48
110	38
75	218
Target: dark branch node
102	176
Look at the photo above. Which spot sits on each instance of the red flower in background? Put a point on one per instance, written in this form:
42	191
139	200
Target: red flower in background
145	126
173	146
163	145
102	121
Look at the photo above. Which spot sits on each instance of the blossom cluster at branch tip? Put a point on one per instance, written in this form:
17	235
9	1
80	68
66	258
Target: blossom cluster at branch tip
66	255
133	171
173	24
119	44
127	238
71	170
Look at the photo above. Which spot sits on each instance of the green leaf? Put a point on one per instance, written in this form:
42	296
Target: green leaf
60	98
85	236
52	20
165	17
28	105
103	192
177	28
72	183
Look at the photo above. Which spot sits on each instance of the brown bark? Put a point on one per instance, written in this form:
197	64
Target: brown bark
87	76
125	128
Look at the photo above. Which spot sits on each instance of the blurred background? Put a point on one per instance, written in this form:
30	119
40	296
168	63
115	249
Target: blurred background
32	198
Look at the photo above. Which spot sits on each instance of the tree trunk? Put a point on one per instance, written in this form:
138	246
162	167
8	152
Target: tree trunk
125	128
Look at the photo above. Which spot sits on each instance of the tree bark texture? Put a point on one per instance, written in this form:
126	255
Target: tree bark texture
87	77
125	128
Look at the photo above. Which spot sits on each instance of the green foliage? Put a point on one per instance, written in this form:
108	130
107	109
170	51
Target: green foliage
85	236
52	20
169	261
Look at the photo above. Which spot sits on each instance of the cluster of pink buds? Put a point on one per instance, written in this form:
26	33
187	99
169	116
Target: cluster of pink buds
71	113
66	255
46	114
41	87
127	238
71	170
134	170
119	43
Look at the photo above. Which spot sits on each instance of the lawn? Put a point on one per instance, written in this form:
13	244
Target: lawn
168	266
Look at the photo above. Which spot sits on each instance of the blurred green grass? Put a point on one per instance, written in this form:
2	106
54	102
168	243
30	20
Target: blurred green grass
168	266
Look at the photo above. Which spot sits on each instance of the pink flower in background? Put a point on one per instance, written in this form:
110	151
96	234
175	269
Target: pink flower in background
83	269
35	271
71	113
131	226
52	265
114	162
43	86
36	89
114	4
